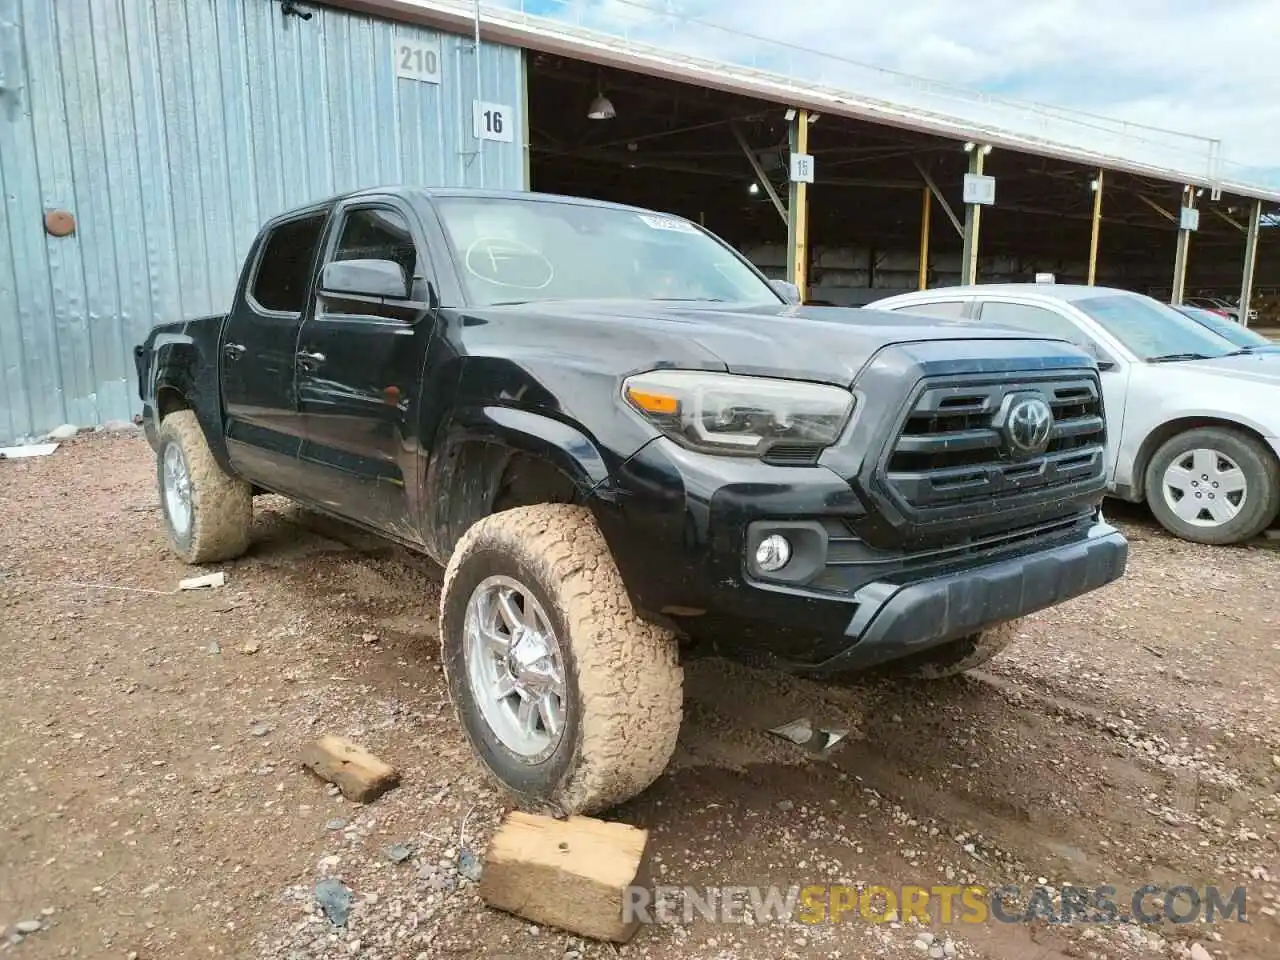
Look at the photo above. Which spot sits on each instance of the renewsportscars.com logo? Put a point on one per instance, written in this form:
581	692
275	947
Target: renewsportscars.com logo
838	903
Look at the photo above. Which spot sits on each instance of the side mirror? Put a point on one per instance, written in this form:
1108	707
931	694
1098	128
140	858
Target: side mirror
1104	361
365	278
788	290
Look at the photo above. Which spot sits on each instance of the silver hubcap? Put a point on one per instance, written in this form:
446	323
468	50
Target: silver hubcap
1205	488
177	489
514	668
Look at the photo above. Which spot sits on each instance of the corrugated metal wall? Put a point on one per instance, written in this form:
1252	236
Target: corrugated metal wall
171	129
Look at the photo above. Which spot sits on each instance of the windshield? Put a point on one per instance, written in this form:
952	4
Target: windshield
1228	329
1153	331
516	251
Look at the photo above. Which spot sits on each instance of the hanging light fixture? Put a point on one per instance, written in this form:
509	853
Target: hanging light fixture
601	108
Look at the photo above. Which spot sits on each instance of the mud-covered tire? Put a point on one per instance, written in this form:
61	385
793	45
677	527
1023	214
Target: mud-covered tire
623	681
1255	462
221	506
958	656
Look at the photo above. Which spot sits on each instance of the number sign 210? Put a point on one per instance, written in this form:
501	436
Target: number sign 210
416	60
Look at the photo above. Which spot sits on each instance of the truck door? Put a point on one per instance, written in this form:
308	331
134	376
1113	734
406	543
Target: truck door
359	356
263	426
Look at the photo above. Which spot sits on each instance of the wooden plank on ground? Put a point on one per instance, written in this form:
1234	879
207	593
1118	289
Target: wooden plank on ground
360	775
573	874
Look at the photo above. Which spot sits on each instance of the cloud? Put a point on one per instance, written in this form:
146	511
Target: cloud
1181	65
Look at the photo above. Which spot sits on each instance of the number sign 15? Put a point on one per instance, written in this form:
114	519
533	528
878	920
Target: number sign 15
493	121
417	59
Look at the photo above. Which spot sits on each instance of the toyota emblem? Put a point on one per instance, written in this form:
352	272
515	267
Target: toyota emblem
1028	426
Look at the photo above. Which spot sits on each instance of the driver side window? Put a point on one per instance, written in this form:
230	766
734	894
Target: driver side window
378	233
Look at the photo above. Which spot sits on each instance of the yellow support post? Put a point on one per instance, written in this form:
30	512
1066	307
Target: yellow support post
1097	229
798	212
1183	250
926	206
1250	261
972	223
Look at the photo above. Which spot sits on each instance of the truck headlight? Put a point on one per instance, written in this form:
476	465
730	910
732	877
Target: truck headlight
729	414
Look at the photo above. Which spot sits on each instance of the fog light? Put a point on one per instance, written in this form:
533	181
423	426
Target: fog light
773	553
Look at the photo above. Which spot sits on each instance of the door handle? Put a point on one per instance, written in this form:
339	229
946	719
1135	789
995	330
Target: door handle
233	351
309	360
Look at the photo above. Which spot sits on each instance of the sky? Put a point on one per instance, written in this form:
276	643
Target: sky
1184	65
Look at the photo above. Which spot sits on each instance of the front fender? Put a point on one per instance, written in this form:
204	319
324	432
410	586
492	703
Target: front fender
560	443
1150	434
464	476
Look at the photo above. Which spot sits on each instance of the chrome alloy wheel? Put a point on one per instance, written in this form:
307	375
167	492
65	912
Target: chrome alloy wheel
1204	487
515	668
177	489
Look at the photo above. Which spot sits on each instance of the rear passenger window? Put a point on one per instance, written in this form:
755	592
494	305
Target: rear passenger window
378	234
1036	320
284	269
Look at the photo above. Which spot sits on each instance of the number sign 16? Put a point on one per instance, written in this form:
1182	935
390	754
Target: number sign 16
417	60
493	121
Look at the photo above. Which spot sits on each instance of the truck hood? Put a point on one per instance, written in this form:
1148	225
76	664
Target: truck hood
824	344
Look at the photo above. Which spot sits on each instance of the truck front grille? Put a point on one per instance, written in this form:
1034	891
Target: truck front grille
952	449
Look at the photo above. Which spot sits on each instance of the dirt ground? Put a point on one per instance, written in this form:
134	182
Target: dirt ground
152	806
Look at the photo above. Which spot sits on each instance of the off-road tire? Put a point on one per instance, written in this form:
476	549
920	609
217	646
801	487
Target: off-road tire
958	656
624	683
221	505
1261	471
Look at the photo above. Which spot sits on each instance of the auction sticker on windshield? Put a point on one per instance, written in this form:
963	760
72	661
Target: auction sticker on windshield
667	223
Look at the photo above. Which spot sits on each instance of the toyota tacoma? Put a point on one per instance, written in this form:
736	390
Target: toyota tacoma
627	447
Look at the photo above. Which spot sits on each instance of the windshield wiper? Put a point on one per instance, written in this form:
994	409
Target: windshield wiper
1172	357
689	300
1246	350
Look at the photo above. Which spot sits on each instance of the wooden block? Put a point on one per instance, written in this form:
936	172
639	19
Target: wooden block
572	874
358	773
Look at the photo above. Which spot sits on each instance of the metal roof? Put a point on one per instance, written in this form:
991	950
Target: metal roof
906	102
1070	292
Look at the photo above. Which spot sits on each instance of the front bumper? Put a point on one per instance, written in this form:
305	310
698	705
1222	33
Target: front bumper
894	621
682	527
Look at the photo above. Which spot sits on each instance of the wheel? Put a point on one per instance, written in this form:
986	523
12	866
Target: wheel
207	511
1213	485
569	700
956	657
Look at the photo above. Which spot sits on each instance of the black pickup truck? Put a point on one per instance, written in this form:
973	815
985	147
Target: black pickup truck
628	447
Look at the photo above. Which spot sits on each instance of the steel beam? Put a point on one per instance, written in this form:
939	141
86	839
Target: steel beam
942	200
1183	251
1227	218
972	223
1096	230
798	208
926	196
1250	261
765	183
1156	207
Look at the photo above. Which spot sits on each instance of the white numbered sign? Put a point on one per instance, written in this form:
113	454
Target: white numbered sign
494	121
979	189
802	168
417	59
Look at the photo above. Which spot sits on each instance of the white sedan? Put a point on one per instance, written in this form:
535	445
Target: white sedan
1193	420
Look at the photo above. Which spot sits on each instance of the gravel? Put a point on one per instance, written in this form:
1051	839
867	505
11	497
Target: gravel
1129	735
